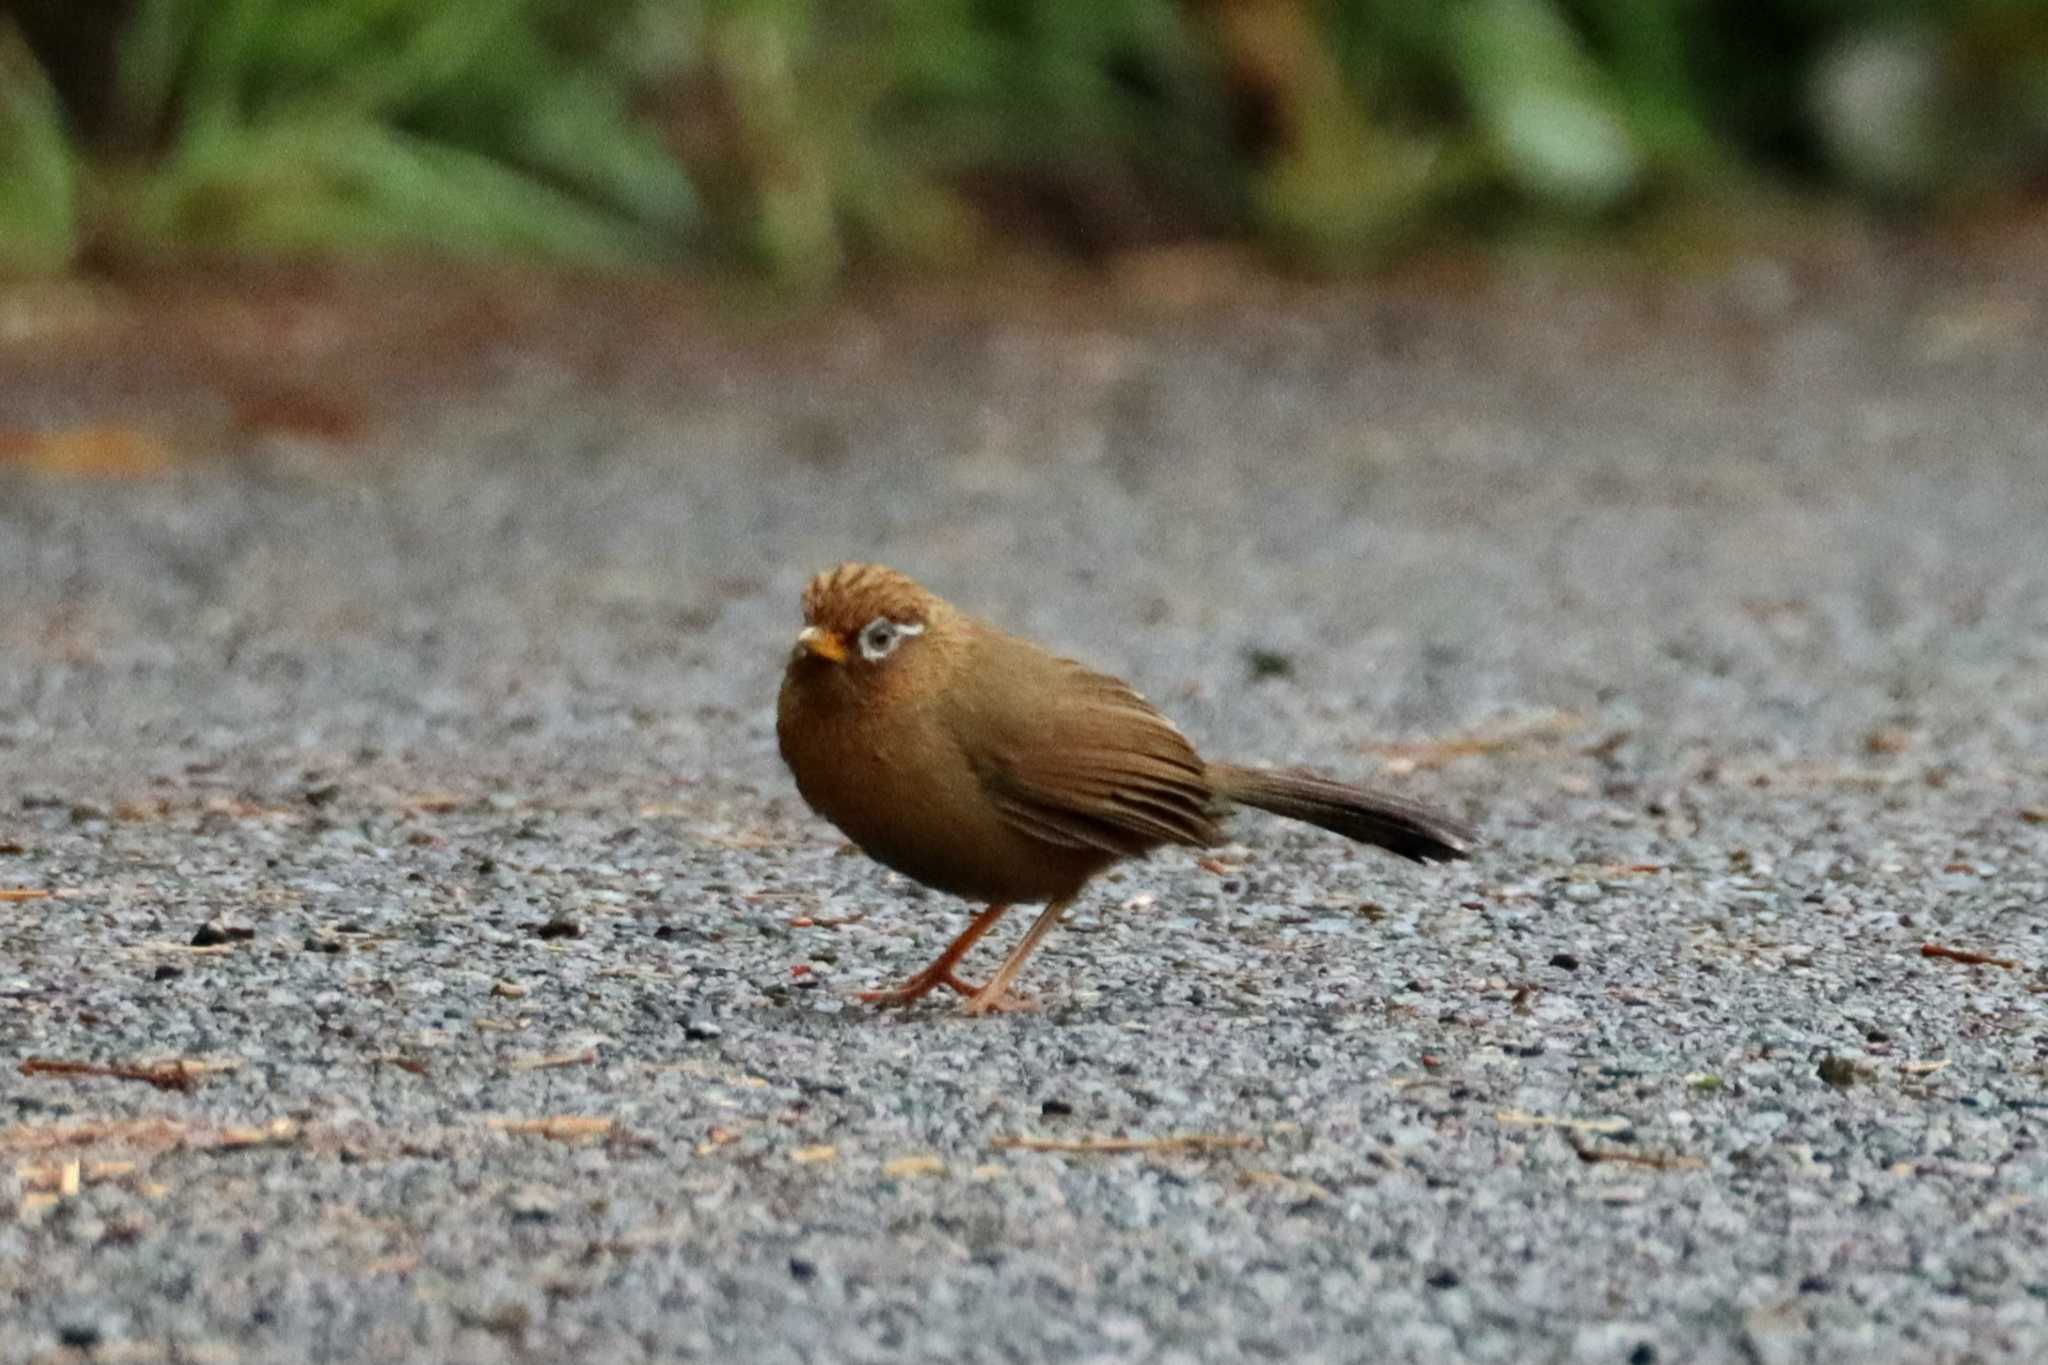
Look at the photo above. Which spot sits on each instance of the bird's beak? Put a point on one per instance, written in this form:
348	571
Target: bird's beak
825	644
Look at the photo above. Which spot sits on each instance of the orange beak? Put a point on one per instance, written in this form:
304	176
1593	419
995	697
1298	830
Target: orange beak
825	644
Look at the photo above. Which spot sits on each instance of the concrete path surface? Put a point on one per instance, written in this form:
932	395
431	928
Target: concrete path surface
465	981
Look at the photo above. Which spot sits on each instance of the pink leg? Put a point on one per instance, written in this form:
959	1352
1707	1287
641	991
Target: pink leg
990	997
940	973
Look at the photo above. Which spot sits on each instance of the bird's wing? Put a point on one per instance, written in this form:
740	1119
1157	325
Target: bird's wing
1077	759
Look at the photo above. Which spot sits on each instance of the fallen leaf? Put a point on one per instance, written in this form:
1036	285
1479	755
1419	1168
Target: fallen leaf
89	452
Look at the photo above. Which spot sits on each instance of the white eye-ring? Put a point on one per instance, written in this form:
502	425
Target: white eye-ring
879	637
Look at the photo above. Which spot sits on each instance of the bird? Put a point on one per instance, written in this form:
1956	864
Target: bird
985	766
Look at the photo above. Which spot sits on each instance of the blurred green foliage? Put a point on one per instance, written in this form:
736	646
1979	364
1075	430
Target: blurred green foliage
805	135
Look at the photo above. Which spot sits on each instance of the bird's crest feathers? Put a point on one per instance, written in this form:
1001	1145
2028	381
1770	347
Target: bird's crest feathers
846	598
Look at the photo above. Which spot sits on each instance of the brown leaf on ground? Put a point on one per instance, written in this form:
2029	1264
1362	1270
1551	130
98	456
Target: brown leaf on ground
89	452
287	409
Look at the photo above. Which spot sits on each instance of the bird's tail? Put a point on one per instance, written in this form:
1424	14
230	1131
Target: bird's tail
1398	826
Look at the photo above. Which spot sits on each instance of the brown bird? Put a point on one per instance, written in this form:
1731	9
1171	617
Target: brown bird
979	764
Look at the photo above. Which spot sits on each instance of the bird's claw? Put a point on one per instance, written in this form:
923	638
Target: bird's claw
917	988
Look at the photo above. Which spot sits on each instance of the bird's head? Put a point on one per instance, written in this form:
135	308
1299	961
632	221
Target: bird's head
863	617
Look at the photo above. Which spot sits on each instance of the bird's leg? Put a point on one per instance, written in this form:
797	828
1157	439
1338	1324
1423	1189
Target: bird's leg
940	973
990	997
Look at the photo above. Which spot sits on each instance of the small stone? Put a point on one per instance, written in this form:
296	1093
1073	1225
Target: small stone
213	934
1568	961
80	1336
1268	663
702	1031
1443	1277
802	1271
1056	1109
167	972
561	926
532	1204
1839	1072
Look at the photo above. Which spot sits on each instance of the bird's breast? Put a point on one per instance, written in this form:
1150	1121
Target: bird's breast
896	783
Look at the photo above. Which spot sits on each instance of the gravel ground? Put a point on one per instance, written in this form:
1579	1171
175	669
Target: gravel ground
519	1027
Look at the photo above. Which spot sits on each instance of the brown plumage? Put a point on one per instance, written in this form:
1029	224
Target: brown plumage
979	764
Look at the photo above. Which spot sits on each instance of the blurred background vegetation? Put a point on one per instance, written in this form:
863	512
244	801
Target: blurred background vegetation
802	138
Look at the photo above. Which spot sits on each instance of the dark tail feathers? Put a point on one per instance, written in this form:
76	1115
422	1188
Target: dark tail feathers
1388	822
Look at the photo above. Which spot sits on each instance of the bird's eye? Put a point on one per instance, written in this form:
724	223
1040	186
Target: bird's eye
879	638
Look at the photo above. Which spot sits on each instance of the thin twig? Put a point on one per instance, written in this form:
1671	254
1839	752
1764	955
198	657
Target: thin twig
542	1061
556	1127
181	1073
1517	1119
1964	955
1656	1161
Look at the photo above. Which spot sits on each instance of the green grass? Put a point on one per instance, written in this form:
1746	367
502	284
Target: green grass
803	137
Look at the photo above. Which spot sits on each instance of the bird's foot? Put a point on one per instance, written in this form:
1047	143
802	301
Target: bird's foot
1002	1002
917	988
